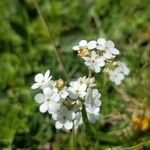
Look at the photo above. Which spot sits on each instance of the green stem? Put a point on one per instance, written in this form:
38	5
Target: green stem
85	121
50	34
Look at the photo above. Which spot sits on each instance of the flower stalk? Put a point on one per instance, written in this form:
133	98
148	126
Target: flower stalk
50	34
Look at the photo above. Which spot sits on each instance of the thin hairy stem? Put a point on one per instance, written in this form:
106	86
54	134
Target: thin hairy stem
50	34
90	73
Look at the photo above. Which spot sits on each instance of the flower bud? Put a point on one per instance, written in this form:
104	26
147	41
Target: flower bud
84	52
59	84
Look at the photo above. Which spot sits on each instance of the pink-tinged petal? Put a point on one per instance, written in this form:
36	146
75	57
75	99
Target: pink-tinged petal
39	98
91	44
44	107
58	125
35	86
101	42
110	44
39	77
47	91
46	76
75	48
68	125
83	43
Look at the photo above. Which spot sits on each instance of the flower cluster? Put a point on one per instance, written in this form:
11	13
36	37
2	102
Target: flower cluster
99	53
96	52
65	103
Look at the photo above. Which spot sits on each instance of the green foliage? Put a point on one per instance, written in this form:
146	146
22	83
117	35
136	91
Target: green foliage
26	49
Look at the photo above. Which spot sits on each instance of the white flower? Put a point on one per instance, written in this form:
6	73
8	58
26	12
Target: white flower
89	81
64	118
77	89
78	120
63	93
92	113
48	100
118	74
84	44
93	97
94	62
123	68
41	80
108	47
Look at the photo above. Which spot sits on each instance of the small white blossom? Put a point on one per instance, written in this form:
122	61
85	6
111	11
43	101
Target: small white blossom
89	81
94	62
48	100
93	97
63	93
84	44
64	118
92	113
41	80
108	47
123	68
77	89
118	74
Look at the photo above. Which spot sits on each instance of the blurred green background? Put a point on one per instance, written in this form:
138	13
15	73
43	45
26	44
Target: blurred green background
27	48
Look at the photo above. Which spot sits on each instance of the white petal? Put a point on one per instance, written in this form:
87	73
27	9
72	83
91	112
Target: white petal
91	45
126	71
97	69
47	91
68	125
101	48
117	81
35	86
47	74
108	55
101	42
76	48
93	118
83	87
39	77
55	97
114	51
100	62
120	76
98	102
110	44
44	107
93	55
53	107
96	94
58	125
39	98
83	43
